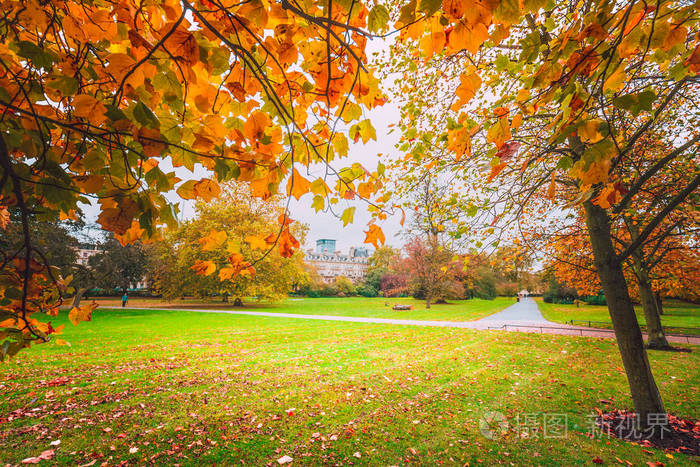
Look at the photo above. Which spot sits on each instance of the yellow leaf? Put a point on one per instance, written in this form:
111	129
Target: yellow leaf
460	142
468	38
348	216
62	342
616	80
319	187
254	127
499	133
80	314
214	240
589	131
256	243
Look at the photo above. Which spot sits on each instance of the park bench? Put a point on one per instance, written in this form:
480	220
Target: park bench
402	307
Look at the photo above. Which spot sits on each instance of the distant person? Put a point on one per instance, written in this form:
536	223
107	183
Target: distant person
125	299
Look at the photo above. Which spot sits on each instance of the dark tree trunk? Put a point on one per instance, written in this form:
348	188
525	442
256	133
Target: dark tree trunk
427	300
655	331
237	301
645	393
659	304
78	296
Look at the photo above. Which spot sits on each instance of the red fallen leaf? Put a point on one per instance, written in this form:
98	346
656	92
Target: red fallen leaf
60	381
597	460
655	464
290	412
45	455
121	435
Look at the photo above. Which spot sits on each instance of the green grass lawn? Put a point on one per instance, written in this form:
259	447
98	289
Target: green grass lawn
169	387
676	314
455	310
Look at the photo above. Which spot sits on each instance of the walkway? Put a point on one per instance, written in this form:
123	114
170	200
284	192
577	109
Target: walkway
523	316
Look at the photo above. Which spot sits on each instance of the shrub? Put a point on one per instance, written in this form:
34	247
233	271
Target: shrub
596	300
367	290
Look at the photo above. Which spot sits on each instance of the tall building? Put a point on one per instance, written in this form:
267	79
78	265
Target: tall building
331	263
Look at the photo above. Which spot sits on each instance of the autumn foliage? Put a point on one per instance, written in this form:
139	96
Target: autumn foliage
104	101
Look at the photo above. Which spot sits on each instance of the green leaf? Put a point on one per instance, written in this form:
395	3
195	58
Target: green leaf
40	57
508	11
565	163
408	12
67	85
429	6
635	103
378	18
145	116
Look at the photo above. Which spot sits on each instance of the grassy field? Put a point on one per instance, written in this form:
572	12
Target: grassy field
676	314
455	310
172	387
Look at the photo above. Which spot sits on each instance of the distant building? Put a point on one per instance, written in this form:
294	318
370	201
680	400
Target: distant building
331	263
84	252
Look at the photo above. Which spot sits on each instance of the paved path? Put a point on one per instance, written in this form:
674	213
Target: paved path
523	316
524	311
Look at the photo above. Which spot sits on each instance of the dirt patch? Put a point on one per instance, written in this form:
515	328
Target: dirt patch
662	431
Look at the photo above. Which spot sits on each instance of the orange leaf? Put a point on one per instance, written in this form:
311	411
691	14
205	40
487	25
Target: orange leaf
89	108
375	236
203	268
297	185
80	314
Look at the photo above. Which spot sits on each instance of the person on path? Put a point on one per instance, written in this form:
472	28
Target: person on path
125	299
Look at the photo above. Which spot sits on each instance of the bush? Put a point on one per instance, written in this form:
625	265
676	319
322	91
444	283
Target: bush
367	290
596	300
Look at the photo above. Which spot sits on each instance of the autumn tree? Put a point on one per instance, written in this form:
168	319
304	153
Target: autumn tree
118	266
648	272
221	234
531	98
99	99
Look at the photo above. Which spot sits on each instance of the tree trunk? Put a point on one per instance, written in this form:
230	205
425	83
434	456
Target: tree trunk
427	301
237	301
78	296
645	393
659	304
655	331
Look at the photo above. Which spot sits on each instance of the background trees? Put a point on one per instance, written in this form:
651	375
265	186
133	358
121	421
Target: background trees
222	232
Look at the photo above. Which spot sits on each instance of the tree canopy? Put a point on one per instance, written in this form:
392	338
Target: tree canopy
218	237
